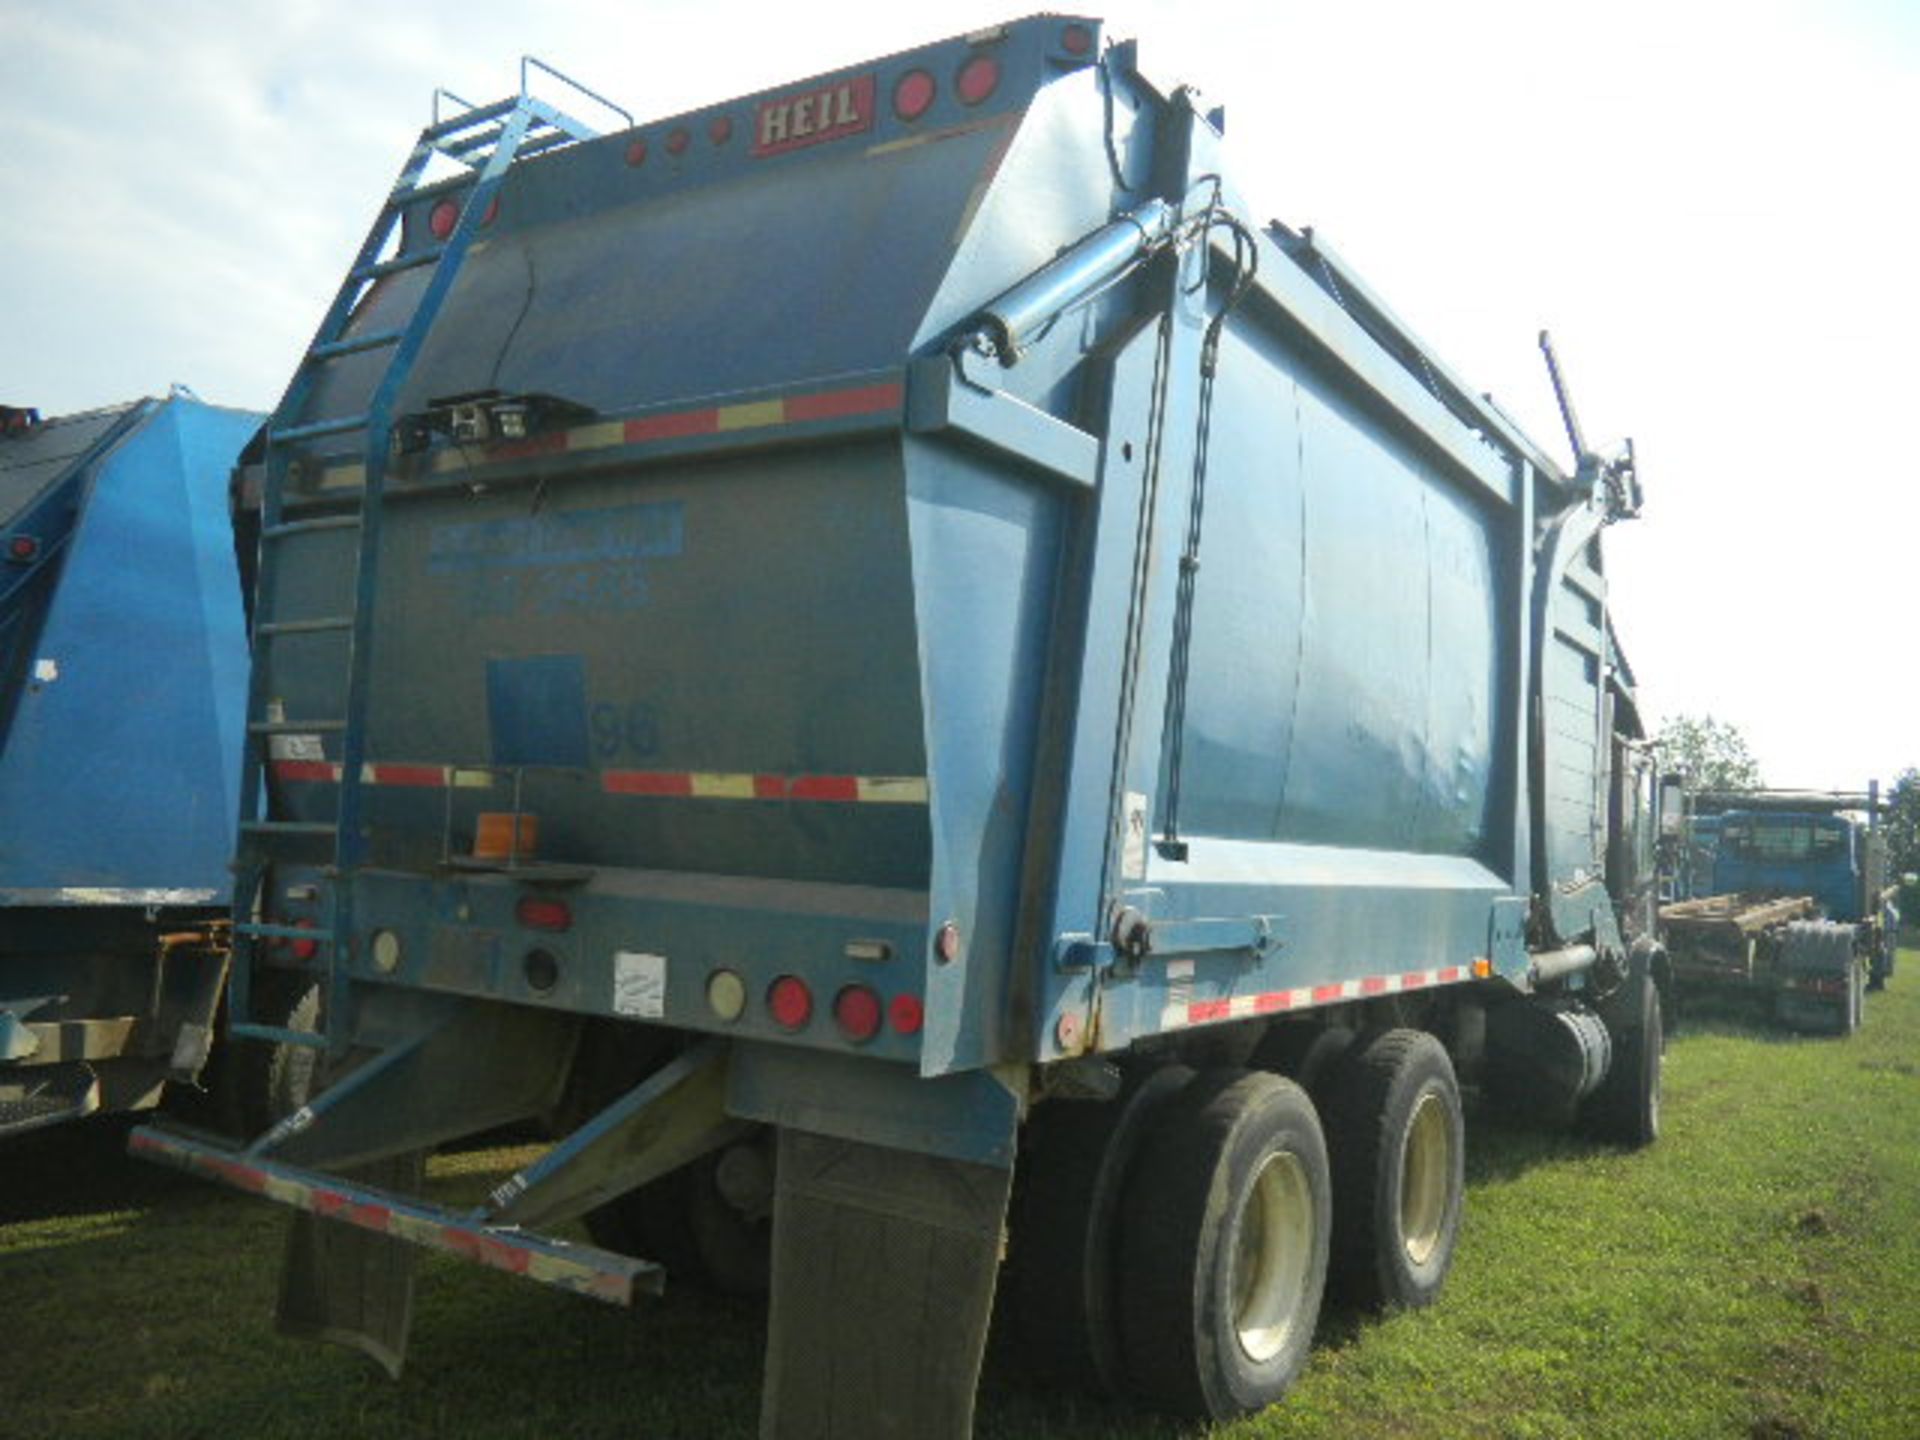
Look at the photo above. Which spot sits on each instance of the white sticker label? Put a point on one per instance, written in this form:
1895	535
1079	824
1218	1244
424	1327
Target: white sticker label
295	747
639	985
1133	858
46	671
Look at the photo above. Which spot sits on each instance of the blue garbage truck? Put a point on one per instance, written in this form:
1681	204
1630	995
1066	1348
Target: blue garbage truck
956	715
1788	898
123	672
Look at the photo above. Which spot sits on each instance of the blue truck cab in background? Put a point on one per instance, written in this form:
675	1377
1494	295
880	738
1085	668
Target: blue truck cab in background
123	666
881	637
1767	861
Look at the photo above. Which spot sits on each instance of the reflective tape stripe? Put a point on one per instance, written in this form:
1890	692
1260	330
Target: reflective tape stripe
666	425
582	1269
709	785
670	784
1181	1012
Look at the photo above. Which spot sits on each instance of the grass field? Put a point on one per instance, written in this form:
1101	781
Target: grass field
1755	1274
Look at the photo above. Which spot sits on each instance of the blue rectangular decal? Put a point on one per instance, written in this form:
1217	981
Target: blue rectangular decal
537	710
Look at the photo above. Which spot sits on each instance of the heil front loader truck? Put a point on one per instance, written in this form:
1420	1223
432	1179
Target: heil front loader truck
881	639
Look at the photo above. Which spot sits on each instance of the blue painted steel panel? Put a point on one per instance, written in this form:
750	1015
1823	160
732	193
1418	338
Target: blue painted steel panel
120	767
931	610
537	710
1807	854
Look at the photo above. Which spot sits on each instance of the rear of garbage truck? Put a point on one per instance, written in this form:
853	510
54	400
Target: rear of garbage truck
842	643
122	671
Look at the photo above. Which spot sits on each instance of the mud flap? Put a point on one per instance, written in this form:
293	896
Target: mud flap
349	1285
883	1272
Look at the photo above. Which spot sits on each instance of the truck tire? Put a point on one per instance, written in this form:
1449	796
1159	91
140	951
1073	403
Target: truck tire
1303	1053
1626	1108
1223	1235
1397	1139
1060	1279
733	1241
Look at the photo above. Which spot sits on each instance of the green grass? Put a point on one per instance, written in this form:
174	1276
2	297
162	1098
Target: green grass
1755	1274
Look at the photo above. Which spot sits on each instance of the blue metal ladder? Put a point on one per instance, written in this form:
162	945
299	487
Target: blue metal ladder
485	141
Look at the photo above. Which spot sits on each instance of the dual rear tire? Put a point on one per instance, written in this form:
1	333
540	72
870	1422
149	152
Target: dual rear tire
1176	1246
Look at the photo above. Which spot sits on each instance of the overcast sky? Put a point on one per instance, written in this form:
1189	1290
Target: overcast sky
1715	208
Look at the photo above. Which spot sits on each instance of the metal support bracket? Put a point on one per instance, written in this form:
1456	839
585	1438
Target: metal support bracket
675	1116
942	400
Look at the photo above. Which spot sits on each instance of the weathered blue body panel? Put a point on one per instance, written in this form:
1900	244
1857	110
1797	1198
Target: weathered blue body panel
1788	854
123	668
119	761
821	596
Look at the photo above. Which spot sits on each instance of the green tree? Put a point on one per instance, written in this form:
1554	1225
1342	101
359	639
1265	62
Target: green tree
1711	753
1903	824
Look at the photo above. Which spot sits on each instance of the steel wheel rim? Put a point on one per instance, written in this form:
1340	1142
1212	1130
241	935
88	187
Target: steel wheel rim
1272	1253
1426	1172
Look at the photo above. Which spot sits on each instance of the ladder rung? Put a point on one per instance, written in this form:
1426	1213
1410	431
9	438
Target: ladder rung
459	149
467	119
296	727
543	142
284	932
315	626
429	191
246	1030
412	260
318	428
286	827
307	527
354	344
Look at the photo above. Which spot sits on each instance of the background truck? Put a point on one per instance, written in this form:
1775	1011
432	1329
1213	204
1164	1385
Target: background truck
1786	892
921	689
123	671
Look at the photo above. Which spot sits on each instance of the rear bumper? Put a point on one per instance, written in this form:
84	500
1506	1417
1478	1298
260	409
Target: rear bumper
581	1269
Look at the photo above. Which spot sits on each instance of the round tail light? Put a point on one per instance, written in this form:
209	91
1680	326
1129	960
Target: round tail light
442	218
978	79
913	94
856	1010
790	1002
303	949
906	1015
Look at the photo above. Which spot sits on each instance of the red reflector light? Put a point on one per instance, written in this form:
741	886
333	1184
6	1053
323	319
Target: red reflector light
856	1010
1076	39
637	153
721	130
790	1002
677	142
493	209
442	218
978	79
905	1014
913	94
538	912
304	949
23	547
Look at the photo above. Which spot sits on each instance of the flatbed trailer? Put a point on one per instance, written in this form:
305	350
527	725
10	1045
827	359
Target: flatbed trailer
883	636
1790	902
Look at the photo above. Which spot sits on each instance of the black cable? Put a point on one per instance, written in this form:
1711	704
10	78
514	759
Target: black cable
1246	264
